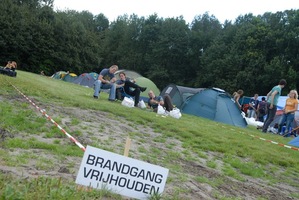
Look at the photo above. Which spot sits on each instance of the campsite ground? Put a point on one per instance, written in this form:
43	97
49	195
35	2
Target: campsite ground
190	179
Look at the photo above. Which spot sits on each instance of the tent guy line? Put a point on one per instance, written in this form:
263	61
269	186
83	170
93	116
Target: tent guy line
48	117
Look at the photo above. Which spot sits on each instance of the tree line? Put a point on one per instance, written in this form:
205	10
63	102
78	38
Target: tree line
252	53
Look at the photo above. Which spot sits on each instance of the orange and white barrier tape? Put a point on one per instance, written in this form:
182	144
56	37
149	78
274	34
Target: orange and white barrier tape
273	142
283	145
57	125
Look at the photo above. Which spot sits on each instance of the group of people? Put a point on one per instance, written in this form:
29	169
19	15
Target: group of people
289	109
256	109
107	80
268	107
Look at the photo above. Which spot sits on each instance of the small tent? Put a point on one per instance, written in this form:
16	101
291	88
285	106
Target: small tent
179	94
85	79
294	142
214	104
70	77
58	75
94	75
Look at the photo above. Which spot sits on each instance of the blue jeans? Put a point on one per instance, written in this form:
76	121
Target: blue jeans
251	113
98	85
288	118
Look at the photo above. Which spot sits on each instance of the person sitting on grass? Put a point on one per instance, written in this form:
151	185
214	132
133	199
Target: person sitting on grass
127	84
12	65
154	101
106	80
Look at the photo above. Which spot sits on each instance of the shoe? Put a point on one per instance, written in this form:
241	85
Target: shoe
96	97
259	127
142	89
113	100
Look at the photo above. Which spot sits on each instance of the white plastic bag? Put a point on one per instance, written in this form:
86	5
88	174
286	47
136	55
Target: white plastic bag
128	102
175	113
160	110
141	104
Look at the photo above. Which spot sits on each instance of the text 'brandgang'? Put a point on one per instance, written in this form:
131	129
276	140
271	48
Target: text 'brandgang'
124	175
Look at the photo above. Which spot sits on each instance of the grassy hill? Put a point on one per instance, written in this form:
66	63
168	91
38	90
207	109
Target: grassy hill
206	160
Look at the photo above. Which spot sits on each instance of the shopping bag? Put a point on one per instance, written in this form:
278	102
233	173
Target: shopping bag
175	113
161	110
141	104
128	102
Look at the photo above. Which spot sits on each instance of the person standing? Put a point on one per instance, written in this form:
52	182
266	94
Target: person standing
289	110
106	80
261	109
253	104
272	100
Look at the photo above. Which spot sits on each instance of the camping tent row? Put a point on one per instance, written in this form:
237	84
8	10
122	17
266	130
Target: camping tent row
88	79
210	103
85	79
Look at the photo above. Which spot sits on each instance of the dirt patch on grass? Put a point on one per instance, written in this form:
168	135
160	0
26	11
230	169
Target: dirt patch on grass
188	179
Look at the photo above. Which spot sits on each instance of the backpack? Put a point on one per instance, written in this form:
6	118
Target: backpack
262	108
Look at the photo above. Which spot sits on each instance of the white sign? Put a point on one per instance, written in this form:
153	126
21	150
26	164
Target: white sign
120	174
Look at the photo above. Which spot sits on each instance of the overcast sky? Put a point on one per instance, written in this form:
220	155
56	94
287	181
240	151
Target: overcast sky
221	9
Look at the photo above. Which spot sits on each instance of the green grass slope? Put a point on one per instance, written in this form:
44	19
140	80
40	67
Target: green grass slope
205	148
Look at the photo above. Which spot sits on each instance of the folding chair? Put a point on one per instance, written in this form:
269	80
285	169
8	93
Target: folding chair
123	93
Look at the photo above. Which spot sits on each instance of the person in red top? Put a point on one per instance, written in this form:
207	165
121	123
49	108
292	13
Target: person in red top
289	110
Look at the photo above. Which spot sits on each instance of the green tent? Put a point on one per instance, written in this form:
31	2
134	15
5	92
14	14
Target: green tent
129	74
59	75
141	81
145	82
